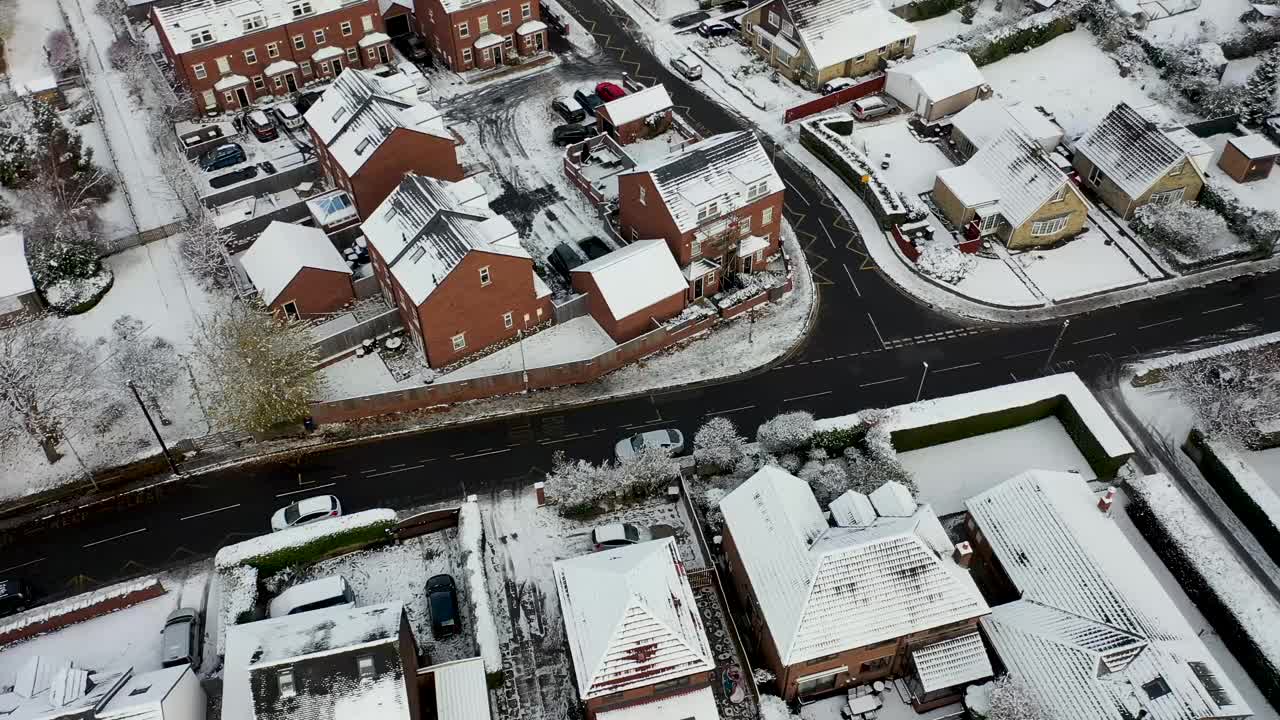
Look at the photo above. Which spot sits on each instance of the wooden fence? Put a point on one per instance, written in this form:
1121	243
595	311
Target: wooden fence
835	99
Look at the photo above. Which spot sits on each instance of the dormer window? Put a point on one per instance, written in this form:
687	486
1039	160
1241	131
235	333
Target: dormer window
362	146
365	665
255	22
284	682
301	8
201	37
708	211
757	189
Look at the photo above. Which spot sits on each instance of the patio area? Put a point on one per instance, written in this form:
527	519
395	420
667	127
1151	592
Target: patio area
894	705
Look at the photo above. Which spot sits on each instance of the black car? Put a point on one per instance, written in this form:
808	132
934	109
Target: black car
442	599
715	28
570	113
221	157
588	99
306	100
564	259
593	247
15	596
693	18
417	48
570	134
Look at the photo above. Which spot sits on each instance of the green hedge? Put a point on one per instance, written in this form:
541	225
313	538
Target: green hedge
320	548
1021	40
1255	662
1233	494
837	440
929	9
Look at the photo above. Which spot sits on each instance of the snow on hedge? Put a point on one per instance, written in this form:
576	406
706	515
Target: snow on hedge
1257	487
471	537
263	545
236	588
44	613
1158	363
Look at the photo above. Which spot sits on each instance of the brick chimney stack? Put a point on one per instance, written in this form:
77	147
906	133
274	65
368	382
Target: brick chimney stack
963	554
539	491
1104	502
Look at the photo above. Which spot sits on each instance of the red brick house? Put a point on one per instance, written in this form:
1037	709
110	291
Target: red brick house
367	139
717	203
636	116
632	289
469	35
232	53
455	270
637	641
299	274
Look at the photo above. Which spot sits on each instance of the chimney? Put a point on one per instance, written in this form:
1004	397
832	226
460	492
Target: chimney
963	554
540	492
1104	502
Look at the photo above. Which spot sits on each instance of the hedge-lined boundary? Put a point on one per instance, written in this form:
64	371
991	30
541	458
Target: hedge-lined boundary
1202	452
320	548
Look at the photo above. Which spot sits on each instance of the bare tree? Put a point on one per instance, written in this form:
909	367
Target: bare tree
204	251
45	381
1234	395
60	49
149	362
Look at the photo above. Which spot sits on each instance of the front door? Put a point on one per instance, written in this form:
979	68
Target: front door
242	97
383	57
291	83
697	287
497	55
335	66
746	264
538	42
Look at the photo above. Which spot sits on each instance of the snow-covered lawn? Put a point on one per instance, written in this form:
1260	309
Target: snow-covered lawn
913	165
25	27
1083	266
992	281
1260	194
894	707
356	376
951	473
747	72
116	217
944	27
1214	19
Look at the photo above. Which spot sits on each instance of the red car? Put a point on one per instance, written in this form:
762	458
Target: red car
609	92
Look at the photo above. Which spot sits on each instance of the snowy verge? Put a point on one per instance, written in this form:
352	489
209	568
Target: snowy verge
1143	368
471	537
235	592
79	608
256	550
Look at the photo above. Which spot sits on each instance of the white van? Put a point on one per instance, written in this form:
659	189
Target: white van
327	592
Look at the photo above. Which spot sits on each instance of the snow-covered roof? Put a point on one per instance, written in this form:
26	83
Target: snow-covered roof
630	618
305	593
1133	147
1093	628
293	641
356	114
228	19
722	167
939	75
1264	10
15	274
280	66
462	690
141	696
47	687
834	31
230	81
696	705
1013	171
385	5
426	226
373	38
282	251
1254	146
637	105
893	499
636	276
823	590
983	120
852	509
952	662
531	26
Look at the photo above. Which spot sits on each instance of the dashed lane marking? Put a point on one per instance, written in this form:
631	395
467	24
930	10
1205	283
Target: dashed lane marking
726	412
310	489
1158	324
1224	307
405	468
957	367
28	563
882	382
1089	340
806	397
209	512
116	537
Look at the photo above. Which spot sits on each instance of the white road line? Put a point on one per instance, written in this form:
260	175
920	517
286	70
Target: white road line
25	564
851	282
1162	322
805	397
117	537
873	327
427	460
310	489
726	412
1100	337
399	465
829	238
209	512
882	382
797	192
1024	354
491	452
339	476
1224	307
957	367
366	471
1270	297
393	472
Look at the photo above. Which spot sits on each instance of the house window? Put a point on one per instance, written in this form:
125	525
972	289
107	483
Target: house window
251	56
1157	688
507	320
319	35
256	22
366	23
695	249
764	43
279	82
301	8
505	16
787	29
482	23
773	19
814	685
258	84
198	71
373	53
364	664
284	681
466	56
299	42
1040	228
526	11
642	192
766	216
353	56
201	37
208	98
989	223
305	65
1095	175
485	279
1168	197
224	65
345	27
1177	169
459	341
709	210
860	58
757	190
464	30
273	50
228	97
1060	195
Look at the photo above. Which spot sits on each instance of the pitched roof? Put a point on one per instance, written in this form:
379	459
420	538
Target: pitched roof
852	509
426	226
1011	170
142	695
1093	625
47	687
630	618
835	30
721	167
637	105
15	274
282	251
226	19
983	120
356	114
951	662
822	590
939	74
1133	147
635	277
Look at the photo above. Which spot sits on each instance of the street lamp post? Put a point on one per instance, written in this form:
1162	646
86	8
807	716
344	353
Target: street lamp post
1053	350
923	375
164	448
524	368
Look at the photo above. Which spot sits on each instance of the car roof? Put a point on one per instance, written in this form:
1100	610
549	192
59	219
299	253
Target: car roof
308	592
258	116
287	108
610	531
315	504
660	434
869	100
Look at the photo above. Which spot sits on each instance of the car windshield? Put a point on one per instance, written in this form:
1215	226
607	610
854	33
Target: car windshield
292	513
637	443
674	436
174	637
441	606
631	532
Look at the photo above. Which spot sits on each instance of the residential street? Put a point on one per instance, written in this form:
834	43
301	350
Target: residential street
867	349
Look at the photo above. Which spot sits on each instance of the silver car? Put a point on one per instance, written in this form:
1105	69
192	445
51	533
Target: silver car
305	512
688	66
182	639
287	115
619	534
870	107
670	440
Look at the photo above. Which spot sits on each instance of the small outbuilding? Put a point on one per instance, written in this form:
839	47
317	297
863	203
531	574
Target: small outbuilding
17	289
633	288
173	693
636	116
1248	158
297	271
936	85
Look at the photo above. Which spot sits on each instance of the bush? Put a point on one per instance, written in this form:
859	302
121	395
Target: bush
835	441
310	553
718	445
927	9
1179	226
786	432
1020	38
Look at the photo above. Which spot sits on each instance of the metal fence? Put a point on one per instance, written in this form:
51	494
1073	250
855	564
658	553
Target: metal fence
351	336
574	307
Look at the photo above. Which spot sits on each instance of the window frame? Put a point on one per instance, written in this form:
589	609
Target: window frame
508	320
1060	195
273	50
766	216
1095	175
320	36
1167	197
253	23
467	57
251	56
301	8
365	668
486	277
198	70
459	342
353	56
201	37
1050	226
259	83
505	16
482	24
345	28
285	682
299	42
463	29
366	23
774	20
526	11
305	67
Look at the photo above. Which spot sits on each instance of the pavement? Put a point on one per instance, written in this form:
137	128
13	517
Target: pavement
868	349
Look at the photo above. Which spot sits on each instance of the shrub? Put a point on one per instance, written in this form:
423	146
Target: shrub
835	441
1178	226
718	445
786	432
310	553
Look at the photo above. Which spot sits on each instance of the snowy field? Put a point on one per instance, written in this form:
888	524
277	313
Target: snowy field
913	165
950	473
1084	266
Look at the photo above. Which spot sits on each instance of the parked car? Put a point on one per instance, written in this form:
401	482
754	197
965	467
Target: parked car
570	113
588	100
182	639
609	91
412	72
327	592
732	5
261	126
305	512
593	247
564	259
233	177
714	28
619	534
287	115
442	598
15	596
570	134
671	440
836	85
870	107
221	157
690	20
306	100
688	66
417	48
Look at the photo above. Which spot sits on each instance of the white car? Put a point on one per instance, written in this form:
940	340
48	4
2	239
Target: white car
688	66
620	534
836	85
670	440
305	512
287	114
412	72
